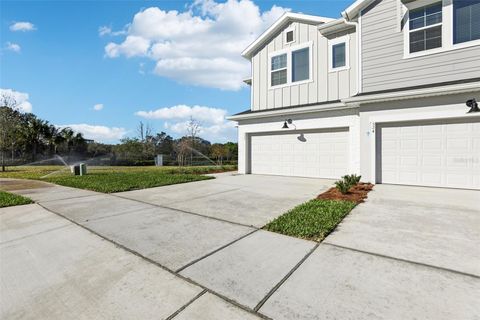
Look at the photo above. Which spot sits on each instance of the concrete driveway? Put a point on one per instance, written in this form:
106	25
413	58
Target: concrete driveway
407	253
251	200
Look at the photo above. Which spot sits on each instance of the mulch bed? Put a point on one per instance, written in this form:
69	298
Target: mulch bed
356	193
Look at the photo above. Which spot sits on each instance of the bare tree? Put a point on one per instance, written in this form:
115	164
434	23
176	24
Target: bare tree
8	105
193	129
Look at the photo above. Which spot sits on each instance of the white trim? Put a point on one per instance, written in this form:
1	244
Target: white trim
406	30
288	16
447	31
333	42
290	111
288	51
408	117
418	93
355	8
286	31
359	53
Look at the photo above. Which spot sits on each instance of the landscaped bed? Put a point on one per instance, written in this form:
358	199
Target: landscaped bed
317	218
115	179
8	199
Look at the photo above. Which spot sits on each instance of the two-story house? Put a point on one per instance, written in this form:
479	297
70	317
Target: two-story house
385	92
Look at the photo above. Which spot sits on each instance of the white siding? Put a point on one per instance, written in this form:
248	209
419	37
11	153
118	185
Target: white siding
324	87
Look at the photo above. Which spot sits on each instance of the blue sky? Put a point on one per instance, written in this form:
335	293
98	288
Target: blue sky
159	62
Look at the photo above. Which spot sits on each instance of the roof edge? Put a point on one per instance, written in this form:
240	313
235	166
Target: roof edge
354	9
287	16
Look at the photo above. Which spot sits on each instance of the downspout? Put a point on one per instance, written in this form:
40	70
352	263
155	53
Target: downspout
358	55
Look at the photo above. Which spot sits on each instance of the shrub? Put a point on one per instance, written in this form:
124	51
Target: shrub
342	186
351	179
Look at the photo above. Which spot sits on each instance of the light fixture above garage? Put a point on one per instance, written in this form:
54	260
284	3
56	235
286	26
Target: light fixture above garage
473	105
287	122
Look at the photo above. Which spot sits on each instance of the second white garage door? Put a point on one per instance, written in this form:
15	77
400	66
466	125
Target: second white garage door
439	153
317	154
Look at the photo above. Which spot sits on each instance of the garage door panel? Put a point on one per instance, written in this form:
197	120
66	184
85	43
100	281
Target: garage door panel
320	154
443	154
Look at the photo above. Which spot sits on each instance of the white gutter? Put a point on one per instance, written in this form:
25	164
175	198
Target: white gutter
283	112
412	94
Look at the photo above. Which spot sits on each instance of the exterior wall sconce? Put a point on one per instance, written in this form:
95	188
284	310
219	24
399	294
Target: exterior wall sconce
473	105
287	122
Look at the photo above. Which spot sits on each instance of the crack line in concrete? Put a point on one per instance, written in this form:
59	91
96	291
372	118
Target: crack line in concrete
173	315
214	251
404	260
282	281
121	246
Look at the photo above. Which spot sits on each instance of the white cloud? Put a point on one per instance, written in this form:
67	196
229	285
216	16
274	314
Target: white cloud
21	98
22	26
97	133
213	124
105	30
98	107
13	47
200	46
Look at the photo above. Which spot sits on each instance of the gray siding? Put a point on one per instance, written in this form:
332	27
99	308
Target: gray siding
383	64
326	86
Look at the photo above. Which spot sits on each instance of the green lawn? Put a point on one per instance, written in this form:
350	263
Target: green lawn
115	179
312	220
8	199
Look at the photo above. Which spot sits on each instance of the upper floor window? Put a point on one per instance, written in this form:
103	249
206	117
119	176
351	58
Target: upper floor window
289	35
466	20
279	69
291	65
300	65
338	53
425	26
437	26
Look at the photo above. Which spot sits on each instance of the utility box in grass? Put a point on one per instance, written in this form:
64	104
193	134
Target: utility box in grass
79	169
159	160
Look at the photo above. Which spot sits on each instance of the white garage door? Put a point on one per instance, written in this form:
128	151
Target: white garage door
440	154
318	154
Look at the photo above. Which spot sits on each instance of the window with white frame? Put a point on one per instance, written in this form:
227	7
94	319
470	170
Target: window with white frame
292	65
466	20
289	35
279	70
301	65
425	28
338	53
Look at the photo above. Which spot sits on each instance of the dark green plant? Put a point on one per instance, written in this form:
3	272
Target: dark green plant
342	186
351	179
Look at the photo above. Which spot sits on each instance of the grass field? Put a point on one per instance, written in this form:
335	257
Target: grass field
312	220
114	179
9	199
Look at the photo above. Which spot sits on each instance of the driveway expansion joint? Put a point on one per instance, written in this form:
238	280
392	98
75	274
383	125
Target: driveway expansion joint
173	315
405	261
214	251
285	278
204	196
188	212
121	246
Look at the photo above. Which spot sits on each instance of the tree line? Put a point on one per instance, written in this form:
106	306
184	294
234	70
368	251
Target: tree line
25	138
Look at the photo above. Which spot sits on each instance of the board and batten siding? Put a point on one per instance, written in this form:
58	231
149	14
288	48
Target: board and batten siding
383	63
326	86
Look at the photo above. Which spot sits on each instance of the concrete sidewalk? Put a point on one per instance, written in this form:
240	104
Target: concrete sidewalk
407	253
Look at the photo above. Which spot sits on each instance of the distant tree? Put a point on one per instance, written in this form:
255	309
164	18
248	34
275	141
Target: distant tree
219	152
193	129
9	125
